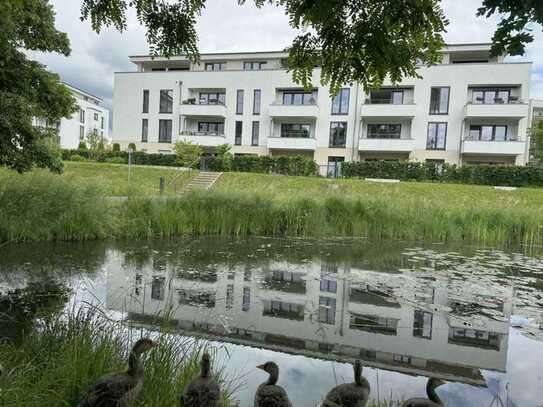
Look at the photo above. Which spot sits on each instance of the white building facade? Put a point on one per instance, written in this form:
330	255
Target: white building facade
90	116
472	108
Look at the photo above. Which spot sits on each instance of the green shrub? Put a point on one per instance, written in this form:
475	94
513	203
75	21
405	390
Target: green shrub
287	165
116	147
132	147
82	145
77	157
506	175
188	152
115	160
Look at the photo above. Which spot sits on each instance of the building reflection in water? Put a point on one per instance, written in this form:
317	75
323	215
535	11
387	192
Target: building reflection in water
395	321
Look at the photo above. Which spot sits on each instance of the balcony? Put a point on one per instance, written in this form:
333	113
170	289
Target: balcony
203	110
291	143
398	145
203	138
500	110
281	110
504	148
385	108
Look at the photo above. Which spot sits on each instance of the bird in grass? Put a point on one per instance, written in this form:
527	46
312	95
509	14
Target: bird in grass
433	399
202	390
269	394
354	394
120	389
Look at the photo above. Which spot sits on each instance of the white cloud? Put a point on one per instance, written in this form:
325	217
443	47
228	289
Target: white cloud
225	26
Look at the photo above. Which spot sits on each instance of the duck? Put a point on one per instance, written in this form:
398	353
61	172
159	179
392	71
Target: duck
433	399
269	394
354	394
202	390
120	389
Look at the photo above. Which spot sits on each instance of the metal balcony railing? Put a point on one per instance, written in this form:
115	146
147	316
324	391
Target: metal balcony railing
376	101
513	100
474	138
293	134
382	136
201	133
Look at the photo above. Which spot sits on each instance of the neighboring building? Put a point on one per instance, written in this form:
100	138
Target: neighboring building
471	108
90	116
537	111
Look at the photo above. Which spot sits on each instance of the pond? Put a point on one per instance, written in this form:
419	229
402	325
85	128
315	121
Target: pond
470	316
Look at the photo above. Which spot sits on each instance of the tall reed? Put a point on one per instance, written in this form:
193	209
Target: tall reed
57	361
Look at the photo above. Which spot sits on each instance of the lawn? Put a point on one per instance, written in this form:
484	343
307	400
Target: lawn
113	178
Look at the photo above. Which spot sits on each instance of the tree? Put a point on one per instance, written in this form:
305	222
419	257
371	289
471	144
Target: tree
536	143
514	31
361	41
187	152
27	89
224	153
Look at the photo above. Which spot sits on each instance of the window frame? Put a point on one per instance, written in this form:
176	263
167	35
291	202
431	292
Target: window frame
238	136
145	102
221	65
496	93
209	125
340	104
494	127
240	98
256	106
255	133
334	125
301	125
292	95
216	96
428	147
81	116
448	101
144	130
161	139
253	64
166	103
370	137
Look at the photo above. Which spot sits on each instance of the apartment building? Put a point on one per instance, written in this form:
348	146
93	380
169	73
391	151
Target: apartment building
471	108
90	116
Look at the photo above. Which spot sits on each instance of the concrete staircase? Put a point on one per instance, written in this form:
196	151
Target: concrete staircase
203	181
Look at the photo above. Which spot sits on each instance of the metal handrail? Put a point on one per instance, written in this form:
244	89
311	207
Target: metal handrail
372	101
174	180
289	136
201	133
497	101
468	138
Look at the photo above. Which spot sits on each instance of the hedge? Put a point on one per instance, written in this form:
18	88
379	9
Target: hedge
503	175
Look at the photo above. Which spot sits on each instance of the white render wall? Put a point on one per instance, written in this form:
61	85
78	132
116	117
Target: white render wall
69	130
414	117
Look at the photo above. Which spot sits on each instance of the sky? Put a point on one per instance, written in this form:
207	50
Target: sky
224	26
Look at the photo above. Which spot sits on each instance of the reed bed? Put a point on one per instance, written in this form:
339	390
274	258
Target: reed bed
47	207
56	362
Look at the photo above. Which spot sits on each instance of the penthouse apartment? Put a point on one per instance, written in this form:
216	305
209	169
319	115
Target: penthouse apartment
471	108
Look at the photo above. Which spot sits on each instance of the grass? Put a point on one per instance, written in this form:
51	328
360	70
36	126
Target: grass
56	362
42	206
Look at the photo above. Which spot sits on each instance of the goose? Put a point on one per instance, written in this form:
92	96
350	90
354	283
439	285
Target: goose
352	394
432	401
202	390
119	389
269	394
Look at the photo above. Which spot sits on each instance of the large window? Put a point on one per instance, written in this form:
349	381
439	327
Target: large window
211	127
239	101
158	288
164	131
212	98
95	117
422	324
166	101
295	130
254	66
239	131
255	133
215	66
327	310
437	136
488	133
298	98
144	130
340	103
102	122
491	96
81	115
439	101
387	97
256	101
338	134
334	170
81	132
145	108
384	131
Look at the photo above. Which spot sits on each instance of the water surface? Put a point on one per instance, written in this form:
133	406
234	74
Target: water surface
470	316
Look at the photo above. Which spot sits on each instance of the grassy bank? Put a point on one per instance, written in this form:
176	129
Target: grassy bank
55	364
42	206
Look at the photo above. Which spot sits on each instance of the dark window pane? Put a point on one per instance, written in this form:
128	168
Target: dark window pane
338	134
486	133
255	133
166	101
239	102
256	101
144	130
384	131
340	103
145	101
239	130
164	131
439	101
437	136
